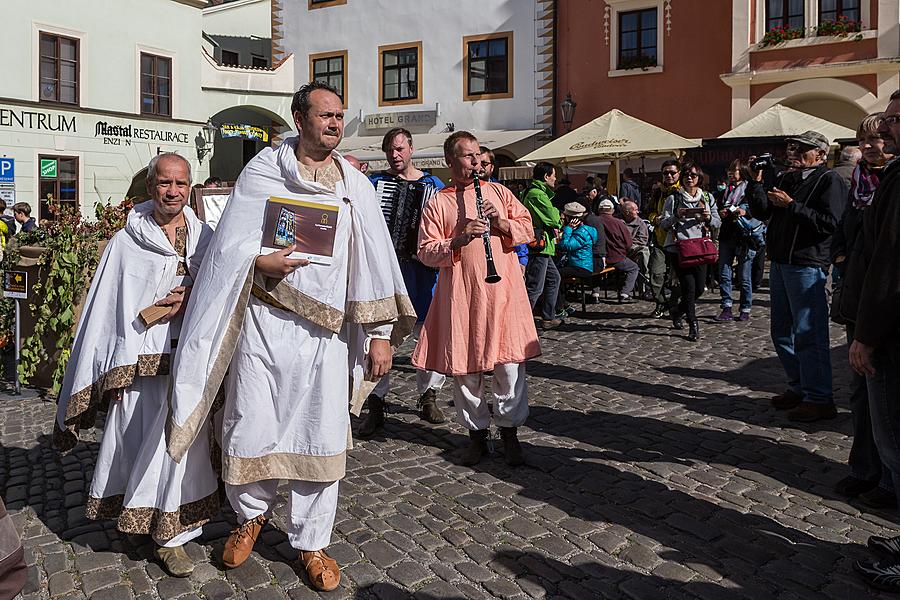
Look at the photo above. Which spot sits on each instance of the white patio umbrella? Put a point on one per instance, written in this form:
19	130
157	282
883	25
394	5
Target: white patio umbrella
612	136
781	121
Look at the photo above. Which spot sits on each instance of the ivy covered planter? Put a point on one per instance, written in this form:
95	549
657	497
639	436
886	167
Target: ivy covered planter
60	258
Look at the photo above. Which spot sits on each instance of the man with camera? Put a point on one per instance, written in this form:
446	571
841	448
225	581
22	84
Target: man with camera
802	210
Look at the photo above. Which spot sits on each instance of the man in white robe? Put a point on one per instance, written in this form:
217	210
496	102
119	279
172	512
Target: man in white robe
296	338
117	358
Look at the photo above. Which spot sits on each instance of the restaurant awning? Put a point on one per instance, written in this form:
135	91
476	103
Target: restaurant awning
431	145
610	136
781	121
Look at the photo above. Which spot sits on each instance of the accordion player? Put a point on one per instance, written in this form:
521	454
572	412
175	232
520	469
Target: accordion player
402	203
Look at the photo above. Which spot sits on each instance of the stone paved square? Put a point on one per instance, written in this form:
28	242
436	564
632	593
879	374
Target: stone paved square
656	470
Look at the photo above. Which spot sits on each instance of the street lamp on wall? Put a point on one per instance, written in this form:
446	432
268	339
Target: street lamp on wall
205	140
567	107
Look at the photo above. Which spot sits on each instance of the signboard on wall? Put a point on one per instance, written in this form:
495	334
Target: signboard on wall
49	168
413	118
248	132
7	170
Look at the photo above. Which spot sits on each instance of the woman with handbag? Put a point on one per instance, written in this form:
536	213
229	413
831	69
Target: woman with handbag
687	217
736	241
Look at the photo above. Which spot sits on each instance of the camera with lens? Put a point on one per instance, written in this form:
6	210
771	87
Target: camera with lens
763	162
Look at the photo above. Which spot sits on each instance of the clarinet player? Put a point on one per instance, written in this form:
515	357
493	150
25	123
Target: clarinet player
475	326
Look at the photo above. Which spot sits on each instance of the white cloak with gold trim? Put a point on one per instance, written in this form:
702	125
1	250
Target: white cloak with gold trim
294	349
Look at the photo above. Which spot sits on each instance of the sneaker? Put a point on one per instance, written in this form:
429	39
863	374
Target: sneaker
744	316
725	315
808	412
659	313
879	497
595	297
851	487
883	575
885	548
786	400
626	299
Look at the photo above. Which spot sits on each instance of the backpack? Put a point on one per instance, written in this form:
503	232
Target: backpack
752	232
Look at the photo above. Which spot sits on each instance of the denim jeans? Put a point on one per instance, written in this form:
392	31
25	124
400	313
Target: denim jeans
799	327
884	403
864	461
420	281
728	251
542	276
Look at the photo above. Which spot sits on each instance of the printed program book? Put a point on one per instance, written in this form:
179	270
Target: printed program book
309	224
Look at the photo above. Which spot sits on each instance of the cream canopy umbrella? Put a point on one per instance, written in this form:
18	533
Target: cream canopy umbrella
612	136
781	121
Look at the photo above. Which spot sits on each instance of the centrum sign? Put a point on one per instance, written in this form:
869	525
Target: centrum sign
600	144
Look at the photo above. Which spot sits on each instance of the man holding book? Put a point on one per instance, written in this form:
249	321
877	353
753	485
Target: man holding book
297	337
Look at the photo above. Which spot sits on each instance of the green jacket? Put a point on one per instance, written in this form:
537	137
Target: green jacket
544	215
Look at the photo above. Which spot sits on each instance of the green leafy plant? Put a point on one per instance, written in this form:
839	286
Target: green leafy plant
842	26
781	33
71	253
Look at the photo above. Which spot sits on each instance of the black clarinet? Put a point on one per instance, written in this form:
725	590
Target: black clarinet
492	276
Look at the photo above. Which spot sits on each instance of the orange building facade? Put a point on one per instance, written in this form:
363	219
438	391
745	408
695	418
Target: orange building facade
701	67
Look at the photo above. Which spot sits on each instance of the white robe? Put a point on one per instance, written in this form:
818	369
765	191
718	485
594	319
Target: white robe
296	347
135	481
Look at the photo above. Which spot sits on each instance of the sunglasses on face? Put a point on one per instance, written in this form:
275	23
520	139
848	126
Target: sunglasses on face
795	147
691	175
670	173
486	163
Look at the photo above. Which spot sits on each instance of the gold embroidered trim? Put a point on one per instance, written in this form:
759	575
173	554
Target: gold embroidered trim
397	308
181	249
283	465
290	298
180	437
82	407
327	176
153	521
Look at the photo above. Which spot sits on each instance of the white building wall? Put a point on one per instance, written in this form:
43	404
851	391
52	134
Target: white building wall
243	18
361	26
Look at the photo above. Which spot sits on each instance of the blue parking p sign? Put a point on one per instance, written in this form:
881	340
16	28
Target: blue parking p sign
7	170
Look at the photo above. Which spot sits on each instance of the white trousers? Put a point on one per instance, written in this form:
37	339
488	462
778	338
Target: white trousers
510	393
425	380
181	539
311	508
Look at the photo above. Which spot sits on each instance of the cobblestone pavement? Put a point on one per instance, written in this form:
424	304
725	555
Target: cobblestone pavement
656	470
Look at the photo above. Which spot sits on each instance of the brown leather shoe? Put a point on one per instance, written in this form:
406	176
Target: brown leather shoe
324	574
240	542
789	399
807	412
428	408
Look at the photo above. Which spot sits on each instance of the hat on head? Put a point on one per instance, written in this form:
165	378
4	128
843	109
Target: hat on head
813	139
605	204
574	209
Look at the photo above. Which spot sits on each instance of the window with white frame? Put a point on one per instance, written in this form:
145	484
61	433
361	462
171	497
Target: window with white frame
635	31
836	10
788	14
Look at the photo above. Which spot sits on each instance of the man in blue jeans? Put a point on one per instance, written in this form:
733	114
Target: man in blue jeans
872	293
802	209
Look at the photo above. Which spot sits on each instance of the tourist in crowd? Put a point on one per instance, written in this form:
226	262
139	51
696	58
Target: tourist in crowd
871	290
212	182
660	269
22	215
640	244
869	478
564	194
542	276
688	214
846	163
577	243
629	188
618	244
802	211
736	242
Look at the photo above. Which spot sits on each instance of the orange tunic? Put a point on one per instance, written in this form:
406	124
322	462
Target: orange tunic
472	325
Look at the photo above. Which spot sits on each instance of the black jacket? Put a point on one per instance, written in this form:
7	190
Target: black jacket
871	288
800	234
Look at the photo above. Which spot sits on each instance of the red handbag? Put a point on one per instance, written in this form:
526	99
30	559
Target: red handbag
693	252
697	251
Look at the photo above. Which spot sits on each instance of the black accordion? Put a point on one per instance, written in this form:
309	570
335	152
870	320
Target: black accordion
402	203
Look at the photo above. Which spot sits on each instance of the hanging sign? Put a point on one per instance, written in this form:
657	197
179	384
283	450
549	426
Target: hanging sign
248	132
15	285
